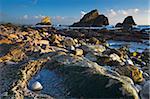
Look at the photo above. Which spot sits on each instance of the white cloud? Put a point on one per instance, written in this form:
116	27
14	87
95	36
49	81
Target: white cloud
123	12
39	16
140	16
25	16
82	13
111	12
136	10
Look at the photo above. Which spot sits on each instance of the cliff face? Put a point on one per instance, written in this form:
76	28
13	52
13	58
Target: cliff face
92	18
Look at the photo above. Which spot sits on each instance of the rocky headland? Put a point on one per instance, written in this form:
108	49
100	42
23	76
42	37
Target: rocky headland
79	63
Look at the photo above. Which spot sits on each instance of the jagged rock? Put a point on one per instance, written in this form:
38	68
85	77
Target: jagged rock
131	71
78	52
36	86
93	19
15	55
22	74
45	21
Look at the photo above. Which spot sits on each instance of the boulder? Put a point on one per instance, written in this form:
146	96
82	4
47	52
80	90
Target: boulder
36	86
92	19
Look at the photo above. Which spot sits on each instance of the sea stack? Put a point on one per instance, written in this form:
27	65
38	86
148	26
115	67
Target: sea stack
127	23
45	21
92	19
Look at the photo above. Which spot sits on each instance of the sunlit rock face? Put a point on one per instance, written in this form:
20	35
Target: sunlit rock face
45	21
93	19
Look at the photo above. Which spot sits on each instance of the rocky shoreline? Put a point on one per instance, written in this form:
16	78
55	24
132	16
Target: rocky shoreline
83	60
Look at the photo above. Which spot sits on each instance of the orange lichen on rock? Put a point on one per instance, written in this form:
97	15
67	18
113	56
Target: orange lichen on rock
5	41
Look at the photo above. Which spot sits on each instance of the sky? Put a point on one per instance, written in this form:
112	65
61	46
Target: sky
69	11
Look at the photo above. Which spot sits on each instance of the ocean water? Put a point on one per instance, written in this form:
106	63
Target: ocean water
133	46
109	27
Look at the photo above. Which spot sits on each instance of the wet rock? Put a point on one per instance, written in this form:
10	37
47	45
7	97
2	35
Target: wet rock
144	94
36	86
93	19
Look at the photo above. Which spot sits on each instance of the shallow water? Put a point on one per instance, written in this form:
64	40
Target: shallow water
51	82
133	46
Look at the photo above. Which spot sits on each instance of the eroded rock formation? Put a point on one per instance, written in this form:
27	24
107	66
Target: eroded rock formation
92	19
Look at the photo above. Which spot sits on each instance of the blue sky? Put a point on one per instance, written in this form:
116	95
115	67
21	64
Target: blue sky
69	11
